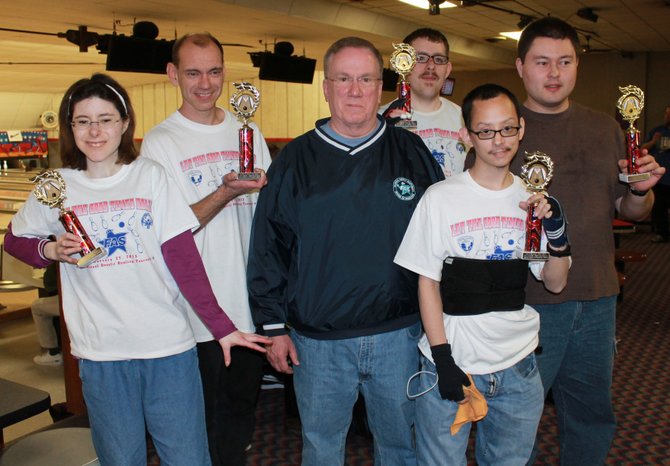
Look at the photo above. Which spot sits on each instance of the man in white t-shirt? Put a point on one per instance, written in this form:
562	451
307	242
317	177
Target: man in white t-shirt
438	119
198	146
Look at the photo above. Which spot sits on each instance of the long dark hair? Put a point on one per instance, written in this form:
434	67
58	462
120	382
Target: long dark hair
105	88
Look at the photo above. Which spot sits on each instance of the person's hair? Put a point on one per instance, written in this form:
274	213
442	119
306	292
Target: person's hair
353	42
432	35
549	26
201	39
104	87
486	92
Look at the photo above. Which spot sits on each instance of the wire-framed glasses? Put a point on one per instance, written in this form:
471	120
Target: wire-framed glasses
82	124
345	81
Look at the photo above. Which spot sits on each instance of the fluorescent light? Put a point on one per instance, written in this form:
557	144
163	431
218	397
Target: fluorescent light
512	34
424	4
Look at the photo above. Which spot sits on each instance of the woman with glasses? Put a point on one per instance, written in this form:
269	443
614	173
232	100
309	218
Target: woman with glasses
126	312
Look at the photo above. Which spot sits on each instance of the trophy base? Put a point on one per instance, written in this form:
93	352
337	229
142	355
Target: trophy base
410	125
634	178
248	176
533	255
97	253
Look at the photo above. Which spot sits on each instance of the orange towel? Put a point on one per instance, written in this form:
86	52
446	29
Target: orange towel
472	411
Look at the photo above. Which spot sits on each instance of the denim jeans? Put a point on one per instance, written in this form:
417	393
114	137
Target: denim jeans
576	363
327	383
504	437
163	392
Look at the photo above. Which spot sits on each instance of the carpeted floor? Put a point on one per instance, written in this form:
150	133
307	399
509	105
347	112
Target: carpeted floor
641	382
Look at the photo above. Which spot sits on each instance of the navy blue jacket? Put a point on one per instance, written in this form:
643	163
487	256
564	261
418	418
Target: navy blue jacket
326	230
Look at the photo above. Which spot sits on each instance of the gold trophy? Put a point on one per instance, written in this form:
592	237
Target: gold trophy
402	62
245	103
50	191
536	173
630	106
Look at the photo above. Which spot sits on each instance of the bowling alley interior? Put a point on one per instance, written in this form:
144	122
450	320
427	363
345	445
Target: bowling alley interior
47	45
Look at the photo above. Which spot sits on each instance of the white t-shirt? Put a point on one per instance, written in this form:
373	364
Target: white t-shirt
197	156
459	218
439	131
125	305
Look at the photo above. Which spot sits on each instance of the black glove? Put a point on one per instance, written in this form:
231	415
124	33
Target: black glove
396	104
555	227
450	377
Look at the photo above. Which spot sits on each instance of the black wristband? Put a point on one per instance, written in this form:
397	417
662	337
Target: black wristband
562	253
635	192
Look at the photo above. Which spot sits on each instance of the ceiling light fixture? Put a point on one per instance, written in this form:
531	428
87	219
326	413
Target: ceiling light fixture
428	5
512	34
587	14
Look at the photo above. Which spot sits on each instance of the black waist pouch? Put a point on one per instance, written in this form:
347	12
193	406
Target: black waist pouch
471	286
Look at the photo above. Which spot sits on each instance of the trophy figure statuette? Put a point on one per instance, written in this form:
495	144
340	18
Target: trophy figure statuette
245	103
403	60
536	173
50	191
630	106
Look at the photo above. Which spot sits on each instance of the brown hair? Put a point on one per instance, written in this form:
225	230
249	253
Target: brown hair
201	39
431	34
105	88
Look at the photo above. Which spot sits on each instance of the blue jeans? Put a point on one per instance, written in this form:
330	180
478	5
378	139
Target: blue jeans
327	383
576	362
504	437
163	392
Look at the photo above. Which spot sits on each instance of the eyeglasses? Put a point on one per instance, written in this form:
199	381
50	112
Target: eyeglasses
506	132
344	82
82	124
437	59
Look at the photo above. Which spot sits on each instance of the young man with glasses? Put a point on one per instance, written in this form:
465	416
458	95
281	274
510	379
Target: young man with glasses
438	119
462	241
342	317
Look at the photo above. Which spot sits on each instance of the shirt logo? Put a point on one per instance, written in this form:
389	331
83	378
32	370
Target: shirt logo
466	243
114	241
404	189
195	177
147	221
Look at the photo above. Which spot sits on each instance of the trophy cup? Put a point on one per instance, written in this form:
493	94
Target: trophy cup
245	102
536	174
630	106
50	191
402	61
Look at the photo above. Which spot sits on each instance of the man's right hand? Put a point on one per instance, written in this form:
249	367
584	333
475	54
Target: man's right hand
281	352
